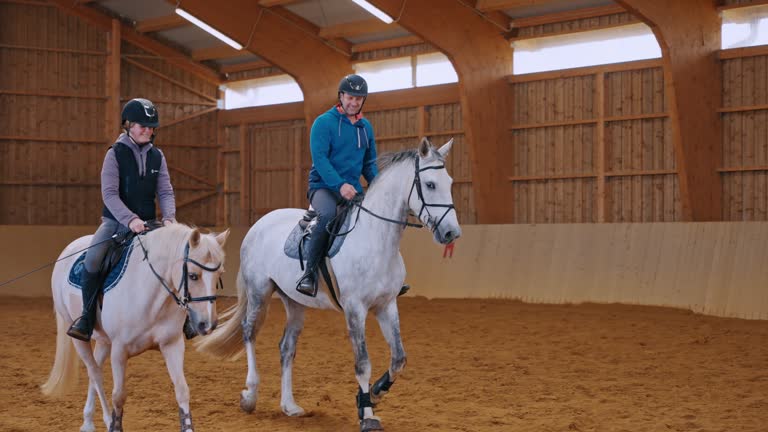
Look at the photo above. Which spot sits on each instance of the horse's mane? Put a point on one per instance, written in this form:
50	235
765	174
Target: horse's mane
170	241
388	162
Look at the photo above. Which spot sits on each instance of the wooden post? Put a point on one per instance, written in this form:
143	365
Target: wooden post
112	109
688	32
602	200
483	60
245	177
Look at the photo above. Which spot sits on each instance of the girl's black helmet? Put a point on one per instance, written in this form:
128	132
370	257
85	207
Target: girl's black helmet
353	85
140	111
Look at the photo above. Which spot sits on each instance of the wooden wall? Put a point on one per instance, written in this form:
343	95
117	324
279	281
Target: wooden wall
590	144
52	96
273	150
593	145
744	172
52	117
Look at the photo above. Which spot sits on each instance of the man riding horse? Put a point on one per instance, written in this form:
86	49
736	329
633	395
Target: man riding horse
343	148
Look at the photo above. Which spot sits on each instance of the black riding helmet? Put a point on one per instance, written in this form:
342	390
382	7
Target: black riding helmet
353	85
140	111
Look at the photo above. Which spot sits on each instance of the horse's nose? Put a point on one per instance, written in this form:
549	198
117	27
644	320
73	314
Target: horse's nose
448	236
202	327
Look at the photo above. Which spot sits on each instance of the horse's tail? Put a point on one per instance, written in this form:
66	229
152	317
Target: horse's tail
65	371
227	340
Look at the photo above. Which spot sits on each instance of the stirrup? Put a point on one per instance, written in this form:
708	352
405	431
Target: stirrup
76	332
306	290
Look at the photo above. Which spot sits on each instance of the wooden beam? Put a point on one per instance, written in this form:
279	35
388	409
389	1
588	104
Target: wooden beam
217	52
693	86
753	51
57	50
190	117
195	199
271	3
571	15
584	71
356	28
482	59
241	67
761	107
245	176
130	35
112	107
389	43
572	30
262	114
316	64
414	97
49	94
191	175
491	5
99	141
161	23
600	153
743	5
170	80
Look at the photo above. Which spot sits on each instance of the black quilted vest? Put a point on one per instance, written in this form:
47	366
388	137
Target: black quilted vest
137	192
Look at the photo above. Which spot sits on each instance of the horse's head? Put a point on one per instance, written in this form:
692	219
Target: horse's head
431	198
196	275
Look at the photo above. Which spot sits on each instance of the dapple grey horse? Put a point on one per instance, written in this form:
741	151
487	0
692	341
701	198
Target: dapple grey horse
369	271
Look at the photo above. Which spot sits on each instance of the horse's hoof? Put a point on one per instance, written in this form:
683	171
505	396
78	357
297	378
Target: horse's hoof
370	424
292	410
247	402
88	427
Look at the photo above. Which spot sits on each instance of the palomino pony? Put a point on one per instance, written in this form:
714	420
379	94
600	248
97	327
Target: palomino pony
171	273
369	271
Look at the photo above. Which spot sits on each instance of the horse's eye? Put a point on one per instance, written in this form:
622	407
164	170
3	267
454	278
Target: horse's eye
430	185
194	276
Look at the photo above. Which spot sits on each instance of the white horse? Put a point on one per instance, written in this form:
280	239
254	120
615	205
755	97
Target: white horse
171	273
369	271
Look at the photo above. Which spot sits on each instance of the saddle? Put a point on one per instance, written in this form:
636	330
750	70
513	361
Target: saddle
297	240
112	267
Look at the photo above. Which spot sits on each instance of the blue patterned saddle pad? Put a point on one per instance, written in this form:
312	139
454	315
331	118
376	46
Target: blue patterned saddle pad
112	279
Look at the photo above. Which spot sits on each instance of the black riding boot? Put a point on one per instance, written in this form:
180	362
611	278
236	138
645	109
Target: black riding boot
82	328
307	284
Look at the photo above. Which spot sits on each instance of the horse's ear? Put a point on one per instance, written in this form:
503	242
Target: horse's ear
424	147
445	148
222	237
194	240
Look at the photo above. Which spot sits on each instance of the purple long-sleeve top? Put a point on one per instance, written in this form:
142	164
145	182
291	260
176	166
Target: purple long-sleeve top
110	183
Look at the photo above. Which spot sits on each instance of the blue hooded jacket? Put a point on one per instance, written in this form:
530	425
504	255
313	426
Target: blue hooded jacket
341	152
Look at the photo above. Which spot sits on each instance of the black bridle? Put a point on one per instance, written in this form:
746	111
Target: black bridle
424	206
184	298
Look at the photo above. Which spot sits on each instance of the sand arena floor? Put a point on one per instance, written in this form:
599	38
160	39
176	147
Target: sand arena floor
472	366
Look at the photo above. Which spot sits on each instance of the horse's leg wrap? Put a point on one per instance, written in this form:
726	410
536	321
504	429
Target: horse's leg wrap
116	425
380	388
186	421
363	402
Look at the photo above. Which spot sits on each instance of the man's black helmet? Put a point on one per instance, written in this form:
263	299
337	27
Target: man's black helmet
353	85
140	111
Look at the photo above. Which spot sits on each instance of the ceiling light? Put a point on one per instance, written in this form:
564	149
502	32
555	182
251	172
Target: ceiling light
373	10
221	36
